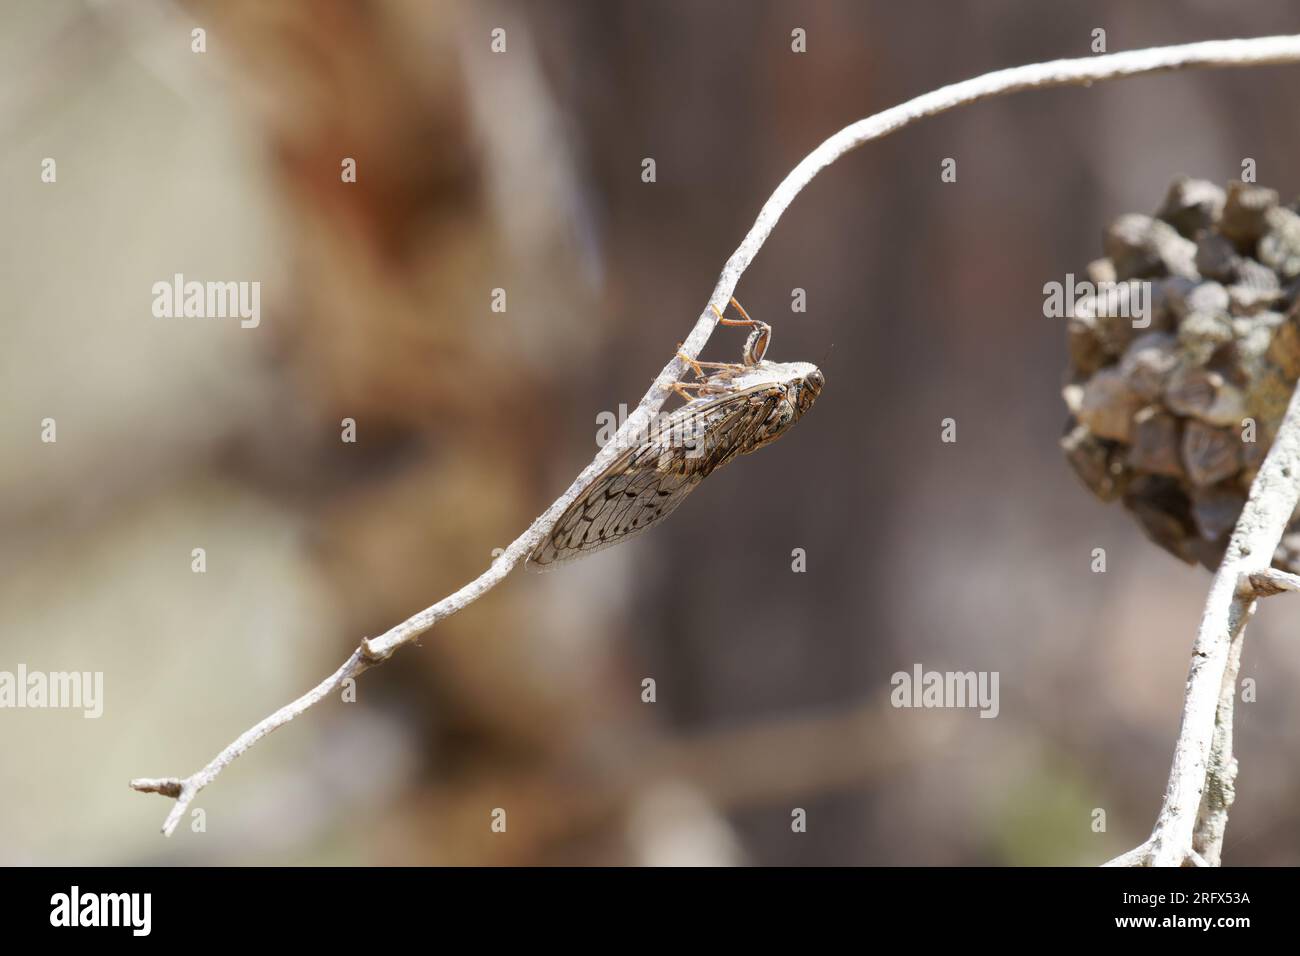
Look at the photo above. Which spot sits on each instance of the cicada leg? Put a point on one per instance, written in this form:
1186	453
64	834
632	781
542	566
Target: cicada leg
727	365
681	389
706	387
759	338
696	367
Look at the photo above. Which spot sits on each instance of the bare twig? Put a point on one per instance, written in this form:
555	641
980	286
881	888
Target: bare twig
1083	71
1194	815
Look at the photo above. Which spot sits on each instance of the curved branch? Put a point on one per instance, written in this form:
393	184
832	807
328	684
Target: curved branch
1073	72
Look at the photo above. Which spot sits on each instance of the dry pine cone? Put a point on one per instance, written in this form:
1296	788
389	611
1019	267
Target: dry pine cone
1174	418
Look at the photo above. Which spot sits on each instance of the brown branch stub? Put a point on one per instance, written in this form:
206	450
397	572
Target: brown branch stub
1057	73
167	786
1270	581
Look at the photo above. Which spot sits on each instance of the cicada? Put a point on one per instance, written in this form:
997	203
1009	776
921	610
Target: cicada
732	409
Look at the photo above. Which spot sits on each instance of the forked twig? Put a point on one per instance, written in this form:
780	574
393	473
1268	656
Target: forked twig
1194	813
1072	72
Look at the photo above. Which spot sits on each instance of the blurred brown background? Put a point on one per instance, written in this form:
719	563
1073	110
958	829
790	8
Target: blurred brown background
522	171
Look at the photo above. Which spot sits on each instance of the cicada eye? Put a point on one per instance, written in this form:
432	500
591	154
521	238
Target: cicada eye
809	389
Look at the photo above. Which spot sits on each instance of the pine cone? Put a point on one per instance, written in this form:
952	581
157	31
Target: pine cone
1173	412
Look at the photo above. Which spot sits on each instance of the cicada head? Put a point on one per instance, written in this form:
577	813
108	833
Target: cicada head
807	388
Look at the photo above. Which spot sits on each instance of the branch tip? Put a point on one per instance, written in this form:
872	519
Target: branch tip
166	786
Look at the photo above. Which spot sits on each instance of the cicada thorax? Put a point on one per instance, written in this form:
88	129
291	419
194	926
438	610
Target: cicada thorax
708	432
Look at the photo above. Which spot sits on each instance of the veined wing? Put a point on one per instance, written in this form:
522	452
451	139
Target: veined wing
647	482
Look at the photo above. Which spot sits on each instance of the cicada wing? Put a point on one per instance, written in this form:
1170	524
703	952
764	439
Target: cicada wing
614	508
646	483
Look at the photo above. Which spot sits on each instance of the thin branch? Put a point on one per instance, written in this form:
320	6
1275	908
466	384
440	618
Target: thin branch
1221	774
1074	72
185	790
1194	814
